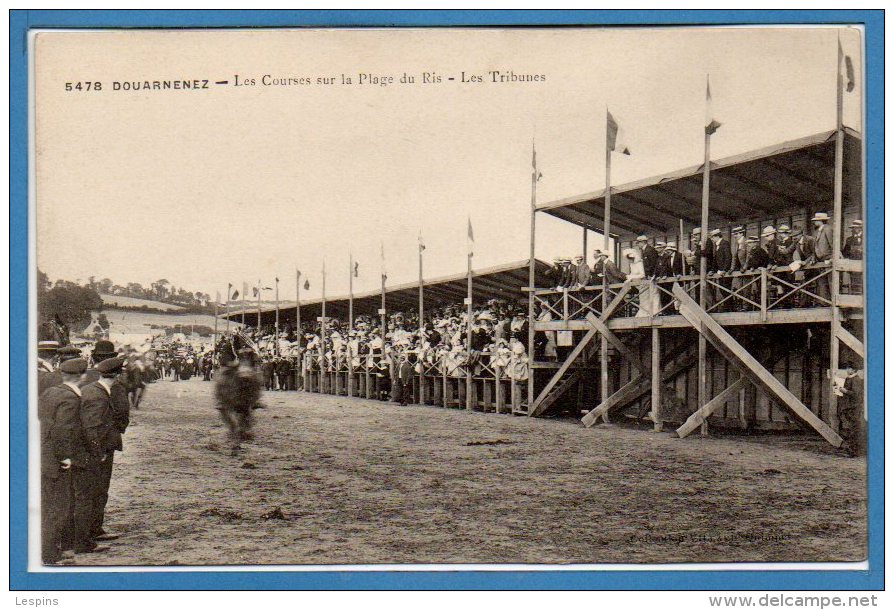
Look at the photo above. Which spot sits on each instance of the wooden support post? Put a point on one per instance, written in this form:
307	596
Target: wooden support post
531	281
703	275
498	389
656	380
764	295
695	420
834	284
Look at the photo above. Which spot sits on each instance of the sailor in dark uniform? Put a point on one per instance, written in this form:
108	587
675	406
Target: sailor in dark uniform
61	450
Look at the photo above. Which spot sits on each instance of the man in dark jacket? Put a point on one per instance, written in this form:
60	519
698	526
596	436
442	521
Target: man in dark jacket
669	265
649	255
723	260
104	415
47	374
405	375
61	450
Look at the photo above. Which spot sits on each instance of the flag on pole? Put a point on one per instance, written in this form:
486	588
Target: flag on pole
421	243
615	137
356	269
384	271
848	68
254	292
470	237
307	284
537	174
711	124
235	295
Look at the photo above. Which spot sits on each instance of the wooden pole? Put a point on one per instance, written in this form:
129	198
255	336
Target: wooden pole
227	309
469	331
834	283
299	368
680	245
216	305
656	380
584	245
259	305
421	297
703	285
298	307
350	290
244	293
276	324
382	308
532	270
606	229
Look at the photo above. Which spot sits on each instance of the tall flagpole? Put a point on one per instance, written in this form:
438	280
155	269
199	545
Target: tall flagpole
421	301
323	315
834	283
469	321
350	290
606	230
299	333
227	310
244	294
703	261
259	305
532	278
276	325
382	309
216	306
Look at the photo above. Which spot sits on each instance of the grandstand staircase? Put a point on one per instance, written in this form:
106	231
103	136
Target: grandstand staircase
750	369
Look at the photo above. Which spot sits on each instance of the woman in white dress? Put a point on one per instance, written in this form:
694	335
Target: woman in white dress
637	276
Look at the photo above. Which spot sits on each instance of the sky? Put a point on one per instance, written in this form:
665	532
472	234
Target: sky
249	183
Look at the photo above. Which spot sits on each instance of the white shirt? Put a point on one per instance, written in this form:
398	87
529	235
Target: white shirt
106	384
74	387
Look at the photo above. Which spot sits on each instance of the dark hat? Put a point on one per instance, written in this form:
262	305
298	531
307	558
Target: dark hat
104	348
112	365
68	352
73	366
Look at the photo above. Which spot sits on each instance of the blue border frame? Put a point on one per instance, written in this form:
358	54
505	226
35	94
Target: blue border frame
21	579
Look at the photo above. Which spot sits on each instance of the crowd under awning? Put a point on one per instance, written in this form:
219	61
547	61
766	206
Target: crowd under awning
786	178
504	282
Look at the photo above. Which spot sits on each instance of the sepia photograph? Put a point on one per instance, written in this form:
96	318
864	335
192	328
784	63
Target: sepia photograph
461	298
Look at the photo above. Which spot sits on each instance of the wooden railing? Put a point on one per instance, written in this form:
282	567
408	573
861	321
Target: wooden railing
763	290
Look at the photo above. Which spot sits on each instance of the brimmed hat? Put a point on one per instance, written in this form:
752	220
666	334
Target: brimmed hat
111	365
715	232
769	230
104	348
642	238
68	352
822	216
752	239
73	366
784	229
670	245
50	346
597	253
738	230
857	224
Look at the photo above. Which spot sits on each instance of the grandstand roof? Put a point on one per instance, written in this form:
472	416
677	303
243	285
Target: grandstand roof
500	282
781	179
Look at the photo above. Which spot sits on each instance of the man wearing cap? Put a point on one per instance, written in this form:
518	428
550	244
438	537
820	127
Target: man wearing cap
102	350
822	251
104	418
47	359
581	272
853	249
604	266
62	450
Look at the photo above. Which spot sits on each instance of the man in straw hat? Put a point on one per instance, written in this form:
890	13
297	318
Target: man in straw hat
47	375
822	254
669	265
